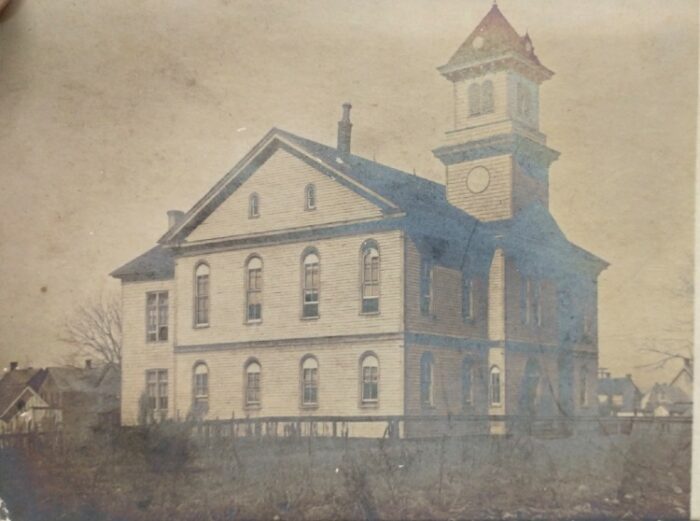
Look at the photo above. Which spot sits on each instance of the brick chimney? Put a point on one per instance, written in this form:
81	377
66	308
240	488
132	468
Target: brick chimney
175	217
13	366
344	131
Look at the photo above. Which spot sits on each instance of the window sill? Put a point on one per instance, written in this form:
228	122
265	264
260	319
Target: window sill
157	342
428	406
200	326
252	407
310	209
253	322
308	406
311	318
370	313
369	405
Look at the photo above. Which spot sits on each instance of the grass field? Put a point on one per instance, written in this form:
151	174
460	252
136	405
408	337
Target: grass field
160	474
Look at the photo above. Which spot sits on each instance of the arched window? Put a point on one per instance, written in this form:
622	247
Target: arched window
254	284
370	379
309	381
252	383
583	387
200	387
201	295
467	375
310	197
495	386
426	379
474	95
311	284
370	277
253	206
486	97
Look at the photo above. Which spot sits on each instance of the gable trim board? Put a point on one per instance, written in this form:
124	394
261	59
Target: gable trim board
258	155
22	393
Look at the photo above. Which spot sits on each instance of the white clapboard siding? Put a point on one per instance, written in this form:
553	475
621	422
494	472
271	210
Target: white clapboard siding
496	202
138	355
339	379
340	303
280	185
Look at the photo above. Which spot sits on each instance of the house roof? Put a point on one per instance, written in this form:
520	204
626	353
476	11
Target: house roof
493	37
441	230
664	394
612	386
158	263
81	379
13	383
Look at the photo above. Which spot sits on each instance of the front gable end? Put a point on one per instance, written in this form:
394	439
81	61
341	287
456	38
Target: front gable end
277	173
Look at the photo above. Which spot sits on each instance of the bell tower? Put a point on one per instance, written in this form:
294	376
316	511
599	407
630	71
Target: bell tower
497	160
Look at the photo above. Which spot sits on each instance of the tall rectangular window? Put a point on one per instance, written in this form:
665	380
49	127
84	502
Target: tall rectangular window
157	316
311	285
157	389
254	290
309	382
467	298
370	379
495	386
525	298
426	288
201	297
537	302
370	279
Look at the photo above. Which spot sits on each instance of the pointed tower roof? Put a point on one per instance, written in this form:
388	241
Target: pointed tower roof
494	40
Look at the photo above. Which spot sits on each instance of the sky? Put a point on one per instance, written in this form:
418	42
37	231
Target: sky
114	112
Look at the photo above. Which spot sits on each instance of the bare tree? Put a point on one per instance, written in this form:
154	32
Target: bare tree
678	344
95	329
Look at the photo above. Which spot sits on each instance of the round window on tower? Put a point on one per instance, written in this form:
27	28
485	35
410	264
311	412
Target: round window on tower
478	180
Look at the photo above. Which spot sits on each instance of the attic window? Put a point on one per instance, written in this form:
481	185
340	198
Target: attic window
310	197
253	206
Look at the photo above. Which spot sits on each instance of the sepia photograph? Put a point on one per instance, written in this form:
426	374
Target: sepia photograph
347	260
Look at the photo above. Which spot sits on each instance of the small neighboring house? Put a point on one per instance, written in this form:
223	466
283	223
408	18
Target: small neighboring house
671	399
618	396
77	399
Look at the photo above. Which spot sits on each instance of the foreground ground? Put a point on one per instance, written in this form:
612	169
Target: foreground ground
159	474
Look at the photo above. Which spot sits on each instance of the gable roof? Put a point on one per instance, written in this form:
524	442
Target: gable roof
613	386
14	382
494	37
440	230
392	190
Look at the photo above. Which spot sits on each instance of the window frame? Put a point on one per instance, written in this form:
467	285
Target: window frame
495	398
156	399
248	403
427	380
198	299
468	315
367	247
474	99
200	380
251	292
310	197
467	383
427	284
374	379
253	206
158	295
583	387
315	380
487	97
313	289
